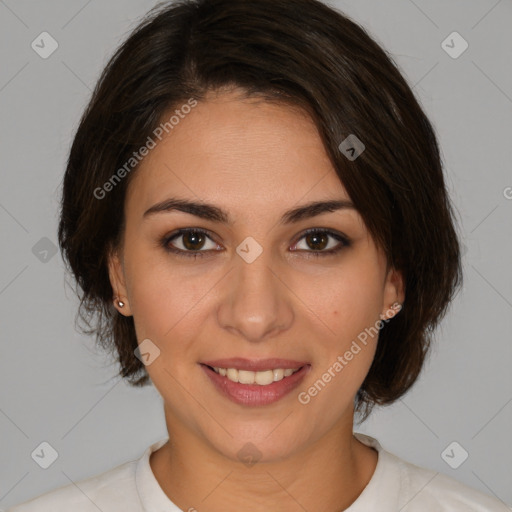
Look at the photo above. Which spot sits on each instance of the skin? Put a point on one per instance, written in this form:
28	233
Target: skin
255	160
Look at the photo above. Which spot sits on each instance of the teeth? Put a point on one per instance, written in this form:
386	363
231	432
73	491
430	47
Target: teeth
263	378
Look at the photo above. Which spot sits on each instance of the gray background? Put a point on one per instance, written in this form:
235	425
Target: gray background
56	387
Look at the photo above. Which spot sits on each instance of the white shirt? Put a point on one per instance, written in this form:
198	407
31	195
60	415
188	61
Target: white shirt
396	485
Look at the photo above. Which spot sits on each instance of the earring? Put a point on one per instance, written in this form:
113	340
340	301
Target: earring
120	303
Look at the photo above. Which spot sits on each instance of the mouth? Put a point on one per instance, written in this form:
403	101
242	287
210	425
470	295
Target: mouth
262	378
253	382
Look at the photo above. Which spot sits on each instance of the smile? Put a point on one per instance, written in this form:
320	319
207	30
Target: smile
263	378
255	383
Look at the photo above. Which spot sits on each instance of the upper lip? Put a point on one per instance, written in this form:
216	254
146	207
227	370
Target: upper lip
255	365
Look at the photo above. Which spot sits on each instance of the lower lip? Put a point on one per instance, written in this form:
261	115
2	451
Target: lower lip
254	394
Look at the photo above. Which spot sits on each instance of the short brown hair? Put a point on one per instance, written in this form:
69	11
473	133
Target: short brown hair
300	53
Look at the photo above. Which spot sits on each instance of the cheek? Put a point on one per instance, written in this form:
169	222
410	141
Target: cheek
159	296
349	304
346	299
170	304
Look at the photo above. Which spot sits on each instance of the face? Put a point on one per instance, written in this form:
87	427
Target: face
254	290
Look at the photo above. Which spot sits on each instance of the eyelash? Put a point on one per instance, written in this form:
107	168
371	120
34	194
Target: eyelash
345	242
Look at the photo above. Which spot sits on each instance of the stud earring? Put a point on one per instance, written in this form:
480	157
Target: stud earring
120	303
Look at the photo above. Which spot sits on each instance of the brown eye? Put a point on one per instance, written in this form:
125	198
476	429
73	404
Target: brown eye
193	240
317	241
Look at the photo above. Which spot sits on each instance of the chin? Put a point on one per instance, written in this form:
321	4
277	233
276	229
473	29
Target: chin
261	442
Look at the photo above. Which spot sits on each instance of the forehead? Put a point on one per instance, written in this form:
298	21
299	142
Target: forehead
241	153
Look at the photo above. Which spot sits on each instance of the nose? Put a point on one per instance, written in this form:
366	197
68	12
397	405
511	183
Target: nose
255	303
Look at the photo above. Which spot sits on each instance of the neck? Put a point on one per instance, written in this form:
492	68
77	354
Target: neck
326	476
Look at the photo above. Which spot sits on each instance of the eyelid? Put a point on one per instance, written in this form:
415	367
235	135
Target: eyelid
182	231
340	237
343	240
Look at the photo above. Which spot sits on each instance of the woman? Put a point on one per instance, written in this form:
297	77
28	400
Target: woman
255	212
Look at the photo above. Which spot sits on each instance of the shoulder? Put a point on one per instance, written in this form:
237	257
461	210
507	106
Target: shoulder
110	490
401	485
424	490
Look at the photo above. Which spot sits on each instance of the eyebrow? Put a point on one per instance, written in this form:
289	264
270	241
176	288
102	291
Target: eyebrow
214	213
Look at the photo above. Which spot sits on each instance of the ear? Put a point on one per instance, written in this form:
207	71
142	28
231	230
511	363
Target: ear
118	282
394	291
